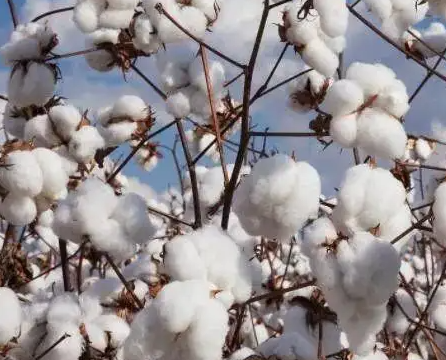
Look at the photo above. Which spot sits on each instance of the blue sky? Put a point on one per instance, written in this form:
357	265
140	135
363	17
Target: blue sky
89	89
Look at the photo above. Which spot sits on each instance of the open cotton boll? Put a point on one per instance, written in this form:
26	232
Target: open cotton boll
55	179
173	74
66	120
344	130
397	321
343	97
207	332
371	77
319	56
333	16
277	211
86	14
208	7
22	174
69	165
199	102
178	104
399	222
31	84
423	149
116	19
380	134
145	39
118	133
131	213
182	260
11	315
171	6
303	32
198	77
435	37
118	328
394	99
177	311
104	35
40	130
84	143
122	4
130	106
65	226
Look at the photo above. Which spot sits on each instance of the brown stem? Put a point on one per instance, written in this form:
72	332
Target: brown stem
65	264
244	136
13	12
192	175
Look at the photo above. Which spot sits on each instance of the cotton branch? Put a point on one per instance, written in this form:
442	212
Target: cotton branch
13	12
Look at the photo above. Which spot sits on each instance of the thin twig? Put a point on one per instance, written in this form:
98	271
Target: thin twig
65	264
244	133
13	12
192	175
148	81
170	217
62	338
413	227
56	11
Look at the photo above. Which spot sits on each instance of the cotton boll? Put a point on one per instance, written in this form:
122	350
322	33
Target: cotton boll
69	165
22	174
100	60
423	149
380	8
302	32
86	14
343	97
381	135
96	336
333	25
394	99
143	28
117	133
65	226
177	311
173	75
207	332
54	177
39	130
397	321
104	35
11	315
66	120
31	84
242	353
317	55
84	143
130	106
399	222
182	260
199	103
216	75
116	19
371	77
344	130
131	213
267	209
122	4
178	104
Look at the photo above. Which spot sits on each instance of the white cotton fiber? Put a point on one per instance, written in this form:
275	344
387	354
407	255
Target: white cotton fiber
371	77
10	314
39	130
343	97
178	104
278	197
116	19
84	143
65	119
344	130
216	75
319	56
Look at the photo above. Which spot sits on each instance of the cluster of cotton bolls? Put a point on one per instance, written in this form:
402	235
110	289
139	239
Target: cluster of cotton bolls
209	254
127	119
186	85
397	16
78	322
32	180
278	197
357	276
372	199
147	28
366	108
319	37
113	224
32	80
177	326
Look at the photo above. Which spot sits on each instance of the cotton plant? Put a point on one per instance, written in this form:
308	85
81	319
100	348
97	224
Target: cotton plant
397	16
113	224
366	108
357	276
178	326
278	197
319	35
